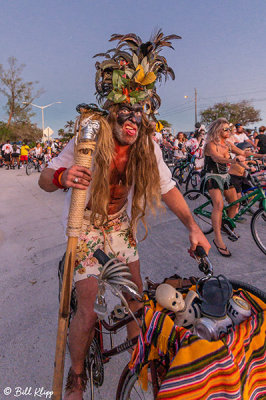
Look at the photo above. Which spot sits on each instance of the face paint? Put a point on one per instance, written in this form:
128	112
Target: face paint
128	123
130	113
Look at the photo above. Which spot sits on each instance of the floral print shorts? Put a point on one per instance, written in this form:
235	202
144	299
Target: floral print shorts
115	238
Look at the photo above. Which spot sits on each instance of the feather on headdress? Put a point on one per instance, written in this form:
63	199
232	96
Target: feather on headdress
130	70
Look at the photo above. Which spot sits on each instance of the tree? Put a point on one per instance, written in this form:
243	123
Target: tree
17	91
61	132
242	112
19	131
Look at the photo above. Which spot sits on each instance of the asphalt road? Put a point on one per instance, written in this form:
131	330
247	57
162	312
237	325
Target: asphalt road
31	244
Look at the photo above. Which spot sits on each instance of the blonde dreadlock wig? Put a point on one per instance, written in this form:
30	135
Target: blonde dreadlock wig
128	74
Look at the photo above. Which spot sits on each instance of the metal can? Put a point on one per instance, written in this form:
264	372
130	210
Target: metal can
238	309
212	329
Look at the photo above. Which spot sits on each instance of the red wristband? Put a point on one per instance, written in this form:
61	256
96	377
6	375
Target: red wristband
55	179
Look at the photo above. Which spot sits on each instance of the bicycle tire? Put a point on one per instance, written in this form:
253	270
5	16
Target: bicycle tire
29	168
250	288
177	175
259	218
194	199
194	181
128	384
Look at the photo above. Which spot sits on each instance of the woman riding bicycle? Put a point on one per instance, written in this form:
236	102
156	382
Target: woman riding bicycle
217	179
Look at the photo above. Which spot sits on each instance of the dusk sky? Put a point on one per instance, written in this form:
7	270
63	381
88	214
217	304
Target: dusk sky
221	54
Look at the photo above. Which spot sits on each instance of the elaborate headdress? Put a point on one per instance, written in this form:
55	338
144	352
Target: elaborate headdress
130	70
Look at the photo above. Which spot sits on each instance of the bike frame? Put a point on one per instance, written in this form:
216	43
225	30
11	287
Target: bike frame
112	328
183	165
256	195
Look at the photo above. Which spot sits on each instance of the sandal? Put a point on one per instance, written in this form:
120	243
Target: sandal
73	381
220	249
215	294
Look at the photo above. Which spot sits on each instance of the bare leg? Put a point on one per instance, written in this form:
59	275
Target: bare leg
216	217
231	196
81	329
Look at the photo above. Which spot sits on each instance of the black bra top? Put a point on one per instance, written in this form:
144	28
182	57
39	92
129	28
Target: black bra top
213	167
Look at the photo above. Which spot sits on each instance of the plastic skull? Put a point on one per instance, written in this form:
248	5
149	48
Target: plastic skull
188	316
168	297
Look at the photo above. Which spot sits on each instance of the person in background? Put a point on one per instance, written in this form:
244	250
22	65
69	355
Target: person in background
37	151
217	153
24	151
180	151
195	145
240	135
15	156
8	150
260	140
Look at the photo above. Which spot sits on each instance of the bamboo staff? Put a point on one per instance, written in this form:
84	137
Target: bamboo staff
85	145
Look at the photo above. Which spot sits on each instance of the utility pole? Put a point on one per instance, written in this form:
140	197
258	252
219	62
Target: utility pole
196	118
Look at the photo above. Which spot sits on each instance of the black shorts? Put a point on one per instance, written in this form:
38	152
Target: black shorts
15	155
240	183
7	157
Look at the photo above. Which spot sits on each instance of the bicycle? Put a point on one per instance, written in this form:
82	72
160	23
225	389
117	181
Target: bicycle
184	173
201	205
34	165
97	356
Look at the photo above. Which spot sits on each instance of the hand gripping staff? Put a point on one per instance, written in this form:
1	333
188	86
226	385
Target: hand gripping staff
85	141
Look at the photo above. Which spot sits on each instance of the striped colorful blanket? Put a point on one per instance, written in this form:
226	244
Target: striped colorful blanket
231	368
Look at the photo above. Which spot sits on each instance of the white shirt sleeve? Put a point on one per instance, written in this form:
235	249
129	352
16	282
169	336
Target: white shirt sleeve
65	159
166	181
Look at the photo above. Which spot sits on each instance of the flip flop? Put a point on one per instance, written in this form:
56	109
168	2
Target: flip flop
215	294
223	249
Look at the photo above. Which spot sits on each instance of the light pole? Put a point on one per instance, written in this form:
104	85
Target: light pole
42	108
195	104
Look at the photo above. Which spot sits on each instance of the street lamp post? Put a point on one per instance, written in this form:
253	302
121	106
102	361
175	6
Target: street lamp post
42	108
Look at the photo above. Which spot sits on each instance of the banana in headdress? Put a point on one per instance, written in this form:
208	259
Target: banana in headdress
131	69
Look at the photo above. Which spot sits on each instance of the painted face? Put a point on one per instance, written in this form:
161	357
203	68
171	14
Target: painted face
128	123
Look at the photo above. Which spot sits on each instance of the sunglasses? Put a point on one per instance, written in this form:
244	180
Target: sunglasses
226	129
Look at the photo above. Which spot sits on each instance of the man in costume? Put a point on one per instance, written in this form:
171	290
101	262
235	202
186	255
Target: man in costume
127	177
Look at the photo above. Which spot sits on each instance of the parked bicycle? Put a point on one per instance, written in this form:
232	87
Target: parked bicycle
201	205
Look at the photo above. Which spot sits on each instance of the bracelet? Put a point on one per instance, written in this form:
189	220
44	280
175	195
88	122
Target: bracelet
57	175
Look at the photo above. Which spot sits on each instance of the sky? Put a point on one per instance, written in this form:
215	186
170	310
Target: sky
221	54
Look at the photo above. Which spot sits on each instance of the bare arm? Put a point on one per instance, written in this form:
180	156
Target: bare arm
83	174
177	204
212	152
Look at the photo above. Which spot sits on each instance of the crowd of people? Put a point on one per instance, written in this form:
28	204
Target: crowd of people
17	154
221	156
182	144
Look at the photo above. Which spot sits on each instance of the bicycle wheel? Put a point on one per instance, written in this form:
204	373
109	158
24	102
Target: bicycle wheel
178	175
129	388
246	286
29	168
195	199
193	181
258	229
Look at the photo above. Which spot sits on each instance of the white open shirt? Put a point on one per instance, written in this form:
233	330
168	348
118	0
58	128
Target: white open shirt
66	159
